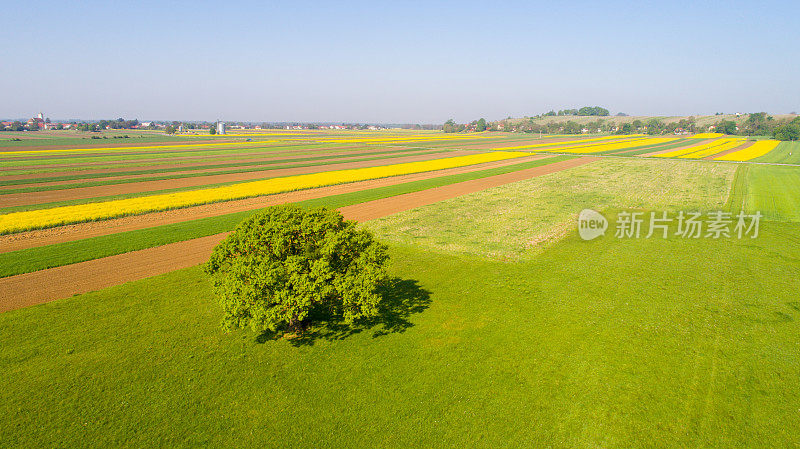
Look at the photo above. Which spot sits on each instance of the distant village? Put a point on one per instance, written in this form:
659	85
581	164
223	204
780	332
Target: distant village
41	123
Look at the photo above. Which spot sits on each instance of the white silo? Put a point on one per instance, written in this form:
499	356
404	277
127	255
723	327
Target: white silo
220	128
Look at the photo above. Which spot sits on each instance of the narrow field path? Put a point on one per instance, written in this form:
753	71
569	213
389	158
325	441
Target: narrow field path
47	285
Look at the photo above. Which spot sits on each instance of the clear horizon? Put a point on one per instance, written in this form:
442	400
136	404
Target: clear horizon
419	62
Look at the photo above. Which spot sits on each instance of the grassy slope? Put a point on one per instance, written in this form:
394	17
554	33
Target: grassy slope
569	350
71	252
774	191
512	221
785	152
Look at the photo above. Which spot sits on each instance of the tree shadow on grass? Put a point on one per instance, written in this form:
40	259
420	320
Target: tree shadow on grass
401	299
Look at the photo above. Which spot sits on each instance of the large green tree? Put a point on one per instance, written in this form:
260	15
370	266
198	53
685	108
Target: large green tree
789	131
285	263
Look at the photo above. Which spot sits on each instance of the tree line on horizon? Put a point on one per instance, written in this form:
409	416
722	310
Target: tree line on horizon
756	124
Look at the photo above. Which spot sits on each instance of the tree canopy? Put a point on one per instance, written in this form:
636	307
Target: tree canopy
284	263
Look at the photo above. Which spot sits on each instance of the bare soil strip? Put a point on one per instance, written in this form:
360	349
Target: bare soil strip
732	150
265	166
55	283
23	199
50	236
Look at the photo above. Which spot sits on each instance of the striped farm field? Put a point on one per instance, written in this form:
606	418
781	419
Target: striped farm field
18	221
615	146
722	145
711	146
567	143
755	150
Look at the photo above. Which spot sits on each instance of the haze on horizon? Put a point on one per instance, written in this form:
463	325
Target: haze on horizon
395	62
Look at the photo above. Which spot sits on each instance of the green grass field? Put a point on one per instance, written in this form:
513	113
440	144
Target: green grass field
774	191
569	350
517	220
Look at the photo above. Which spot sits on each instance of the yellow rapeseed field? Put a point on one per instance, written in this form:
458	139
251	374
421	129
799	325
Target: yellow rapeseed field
19	221
755	150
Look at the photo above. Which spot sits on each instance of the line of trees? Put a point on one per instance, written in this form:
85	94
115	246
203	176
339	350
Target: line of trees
761	124
756	124
584	111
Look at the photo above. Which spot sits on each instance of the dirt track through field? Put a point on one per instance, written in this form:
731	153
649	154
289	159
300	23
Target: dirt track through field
31	239
78	193
61	282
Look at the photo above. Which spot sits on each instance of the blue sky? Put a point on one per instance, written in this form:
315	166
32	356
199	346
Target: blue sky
399	62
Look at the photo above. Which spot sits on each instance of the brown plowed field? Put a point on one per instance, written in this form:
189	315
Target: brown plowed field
55	283
21	199
31	239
